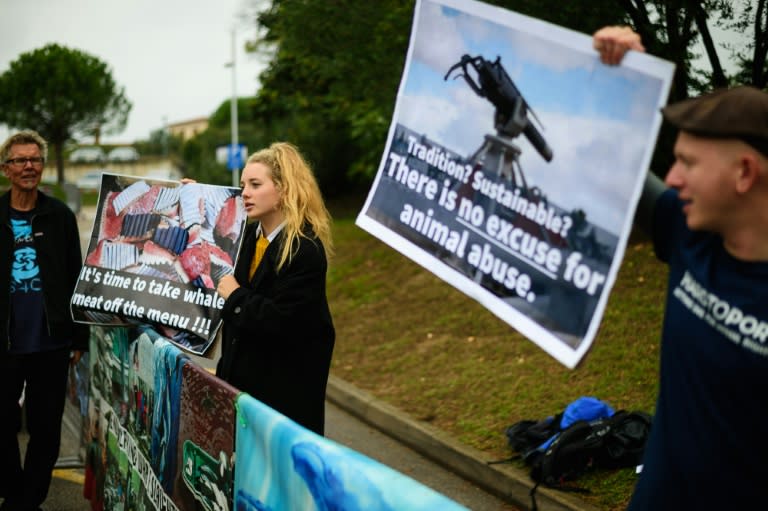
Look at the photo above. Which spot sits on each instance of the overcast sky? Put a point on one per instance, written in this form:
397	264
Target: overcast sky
170	55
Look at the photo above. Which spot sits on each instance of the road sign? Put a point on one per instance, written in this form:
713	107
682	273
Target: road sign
233	158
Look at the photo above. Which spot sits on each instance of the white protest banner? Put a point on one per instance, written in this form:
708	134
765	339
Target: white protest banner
157	252
514	163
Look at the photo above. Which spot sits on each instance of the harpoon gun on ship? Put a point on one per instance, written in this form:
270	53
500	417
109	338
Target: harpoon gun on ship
490	80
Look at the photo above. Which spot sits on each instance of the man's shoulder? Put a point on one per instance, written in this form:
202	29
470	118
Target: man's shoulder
50	204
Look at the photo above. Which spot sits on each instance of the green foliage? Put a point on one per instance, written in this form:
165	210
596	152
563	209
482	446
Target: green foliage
750	18
246	114
61	93
199	153
671	29
89	197
160	143
585	17
335	66
336	70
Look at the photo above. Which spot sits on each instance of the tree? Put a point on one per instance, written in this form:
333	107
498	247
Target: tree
61	93
751	20
331	84
674	29
335	66
199	153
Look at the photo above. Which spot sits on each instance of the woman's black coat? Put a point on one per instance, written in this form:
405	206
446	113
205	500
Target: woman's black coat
277	332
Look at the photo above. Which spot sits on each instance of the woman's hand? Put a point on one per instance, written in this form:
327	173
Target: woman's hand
227	285
614	42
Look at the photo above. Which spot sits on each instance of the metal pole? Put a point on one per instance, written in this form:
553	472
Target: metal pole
166	134
233	112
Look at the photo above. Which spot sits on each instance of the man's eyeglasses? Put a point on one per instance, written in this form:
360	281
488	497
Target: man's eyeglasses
22	162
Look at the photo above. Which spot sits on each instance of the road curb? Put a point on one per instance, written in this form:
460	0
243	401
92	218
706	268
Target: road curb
506	482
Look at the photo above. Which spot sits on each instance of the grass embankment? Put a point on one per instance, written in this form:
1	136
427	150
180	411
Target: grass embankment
417	343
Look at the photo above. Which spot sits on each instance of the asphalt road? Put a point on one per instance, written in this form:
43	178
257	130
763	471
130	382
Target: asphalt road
359	436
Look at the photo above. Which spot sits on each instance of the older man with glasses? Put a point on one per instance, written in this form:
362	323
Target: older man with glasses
40	261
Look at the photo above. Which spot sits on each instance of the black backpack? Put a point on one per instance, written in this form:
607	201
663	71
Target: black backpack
526	436
613	442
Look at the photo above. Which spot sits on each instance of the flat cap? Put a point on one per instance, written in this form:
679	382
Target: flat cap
740	112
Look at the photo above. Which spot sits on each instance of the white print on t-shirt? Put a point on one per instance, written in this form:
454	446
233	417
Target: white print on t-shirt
730	321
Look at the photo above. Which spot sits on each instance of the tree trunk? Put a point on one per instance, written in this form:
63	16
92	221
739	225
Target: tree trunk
718	75
58	151
761	46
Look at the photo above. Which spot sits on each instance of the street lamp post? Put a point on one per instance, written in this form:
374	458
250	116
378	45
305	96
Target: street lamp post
233	115
166	134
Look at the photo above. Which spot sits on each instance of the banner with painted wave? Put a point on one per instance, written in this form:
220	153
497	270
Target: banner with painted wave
156	254
513	165
309	472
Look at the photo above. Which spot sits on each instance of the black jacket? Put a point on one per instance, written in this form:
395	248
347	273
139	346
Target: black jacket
57	243
277	331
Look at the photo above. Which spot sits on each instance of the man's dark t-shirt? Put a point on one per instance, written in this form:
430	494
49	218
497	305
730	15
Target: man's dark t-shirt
707	447
28	330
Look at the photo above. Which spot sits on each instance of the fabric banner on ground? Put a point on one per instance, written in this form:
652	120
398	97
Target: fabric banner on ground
157	252
206	442
282	466
514	163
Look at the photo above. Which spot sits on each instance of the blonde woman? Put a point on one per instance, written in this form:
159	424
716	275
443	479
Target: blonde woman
278	334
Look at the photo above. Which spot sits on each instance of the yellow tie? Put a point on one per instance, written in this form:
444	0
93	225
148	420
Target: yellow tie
261	247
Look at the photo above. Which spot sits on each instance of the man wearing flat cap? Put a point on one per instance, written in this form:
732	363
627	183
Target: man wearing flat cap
707	448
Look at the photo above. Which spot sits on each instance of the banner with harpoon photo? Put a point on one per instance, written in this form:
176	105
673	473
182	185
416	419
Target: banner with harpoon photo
514	163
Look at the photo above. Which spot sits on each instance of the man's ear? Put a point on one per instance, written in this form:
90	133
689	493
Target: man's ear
749	172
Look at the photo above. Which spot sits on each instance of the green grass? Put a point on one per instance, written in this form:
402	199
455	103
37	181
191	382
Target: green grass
417	343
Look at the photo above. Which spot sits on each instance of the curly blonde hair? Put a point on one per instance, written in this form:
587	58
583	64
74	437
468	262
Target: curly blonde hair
300	199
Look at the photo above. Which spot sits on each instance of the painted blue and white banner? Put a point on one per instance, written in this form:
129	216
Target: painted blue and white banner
514	163
283	466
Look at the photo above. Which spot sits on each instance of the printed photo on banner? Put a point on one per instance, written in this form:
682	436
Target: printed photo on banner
514	163
133	418
205	458
157	252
